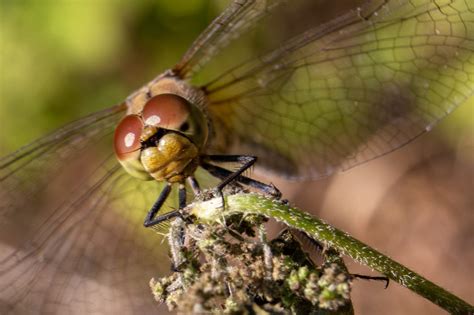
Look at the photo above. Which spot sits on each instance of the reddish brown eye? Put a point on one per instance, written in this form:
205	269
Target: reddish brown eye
127	137
168	111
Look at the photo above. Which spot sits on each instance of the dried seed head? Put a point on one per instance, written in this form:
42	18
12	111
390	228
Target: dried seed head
226	271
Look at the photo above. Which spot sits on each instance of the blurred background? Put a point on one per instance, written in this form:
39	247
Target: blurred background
60	60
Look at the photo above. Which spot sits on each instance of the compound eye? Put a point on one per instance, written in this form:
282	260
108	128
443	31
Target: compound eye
127	138
166	111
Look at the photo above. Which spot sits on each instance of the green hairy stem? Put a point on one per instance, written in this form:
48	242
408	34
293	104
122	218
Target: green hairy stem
251	203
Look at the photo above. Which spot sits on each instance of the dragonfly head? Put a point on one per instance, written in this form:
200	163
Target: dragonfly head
163	142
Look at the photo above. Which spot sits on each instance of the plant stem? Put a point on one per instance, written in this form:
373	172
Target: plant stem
342	242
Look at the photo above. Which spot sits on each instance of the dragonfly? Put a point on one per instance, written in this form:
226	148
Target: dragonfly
326	99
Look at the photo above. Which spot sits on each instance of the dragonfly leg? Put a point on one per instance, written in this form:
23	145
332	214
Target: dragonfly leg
246	160
225	174
150	219
376	278
182	196
194	185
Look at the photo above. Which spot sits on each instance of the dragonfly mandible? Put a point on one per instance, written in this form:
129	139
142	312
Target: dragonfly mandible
323	100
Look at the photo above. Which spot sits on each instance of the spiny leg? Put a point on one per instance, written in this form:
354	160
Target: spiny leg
227	176
182	196
194	185
150	219
182	204
246	160
376	278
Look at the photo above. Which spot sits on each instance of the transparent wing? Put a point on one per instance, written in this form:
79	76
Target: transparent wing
72	239
239	16
73	242
350	90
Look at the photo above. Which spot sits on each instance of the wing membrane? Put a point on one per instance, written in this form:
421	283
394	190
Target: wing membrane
72	239
350	90
240	16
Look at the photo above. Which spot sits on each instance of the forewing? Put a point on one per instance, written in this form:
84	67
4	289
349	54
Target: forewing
350	90
239	16
72	239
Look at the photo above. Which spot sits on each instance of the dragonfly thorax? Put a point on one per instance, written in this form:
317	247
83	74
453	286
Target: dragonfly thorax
163	141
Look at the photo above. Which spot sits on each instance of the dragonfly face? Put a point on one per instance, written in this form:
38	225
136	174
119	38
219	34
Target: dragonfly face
317	102
164	138
163	134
